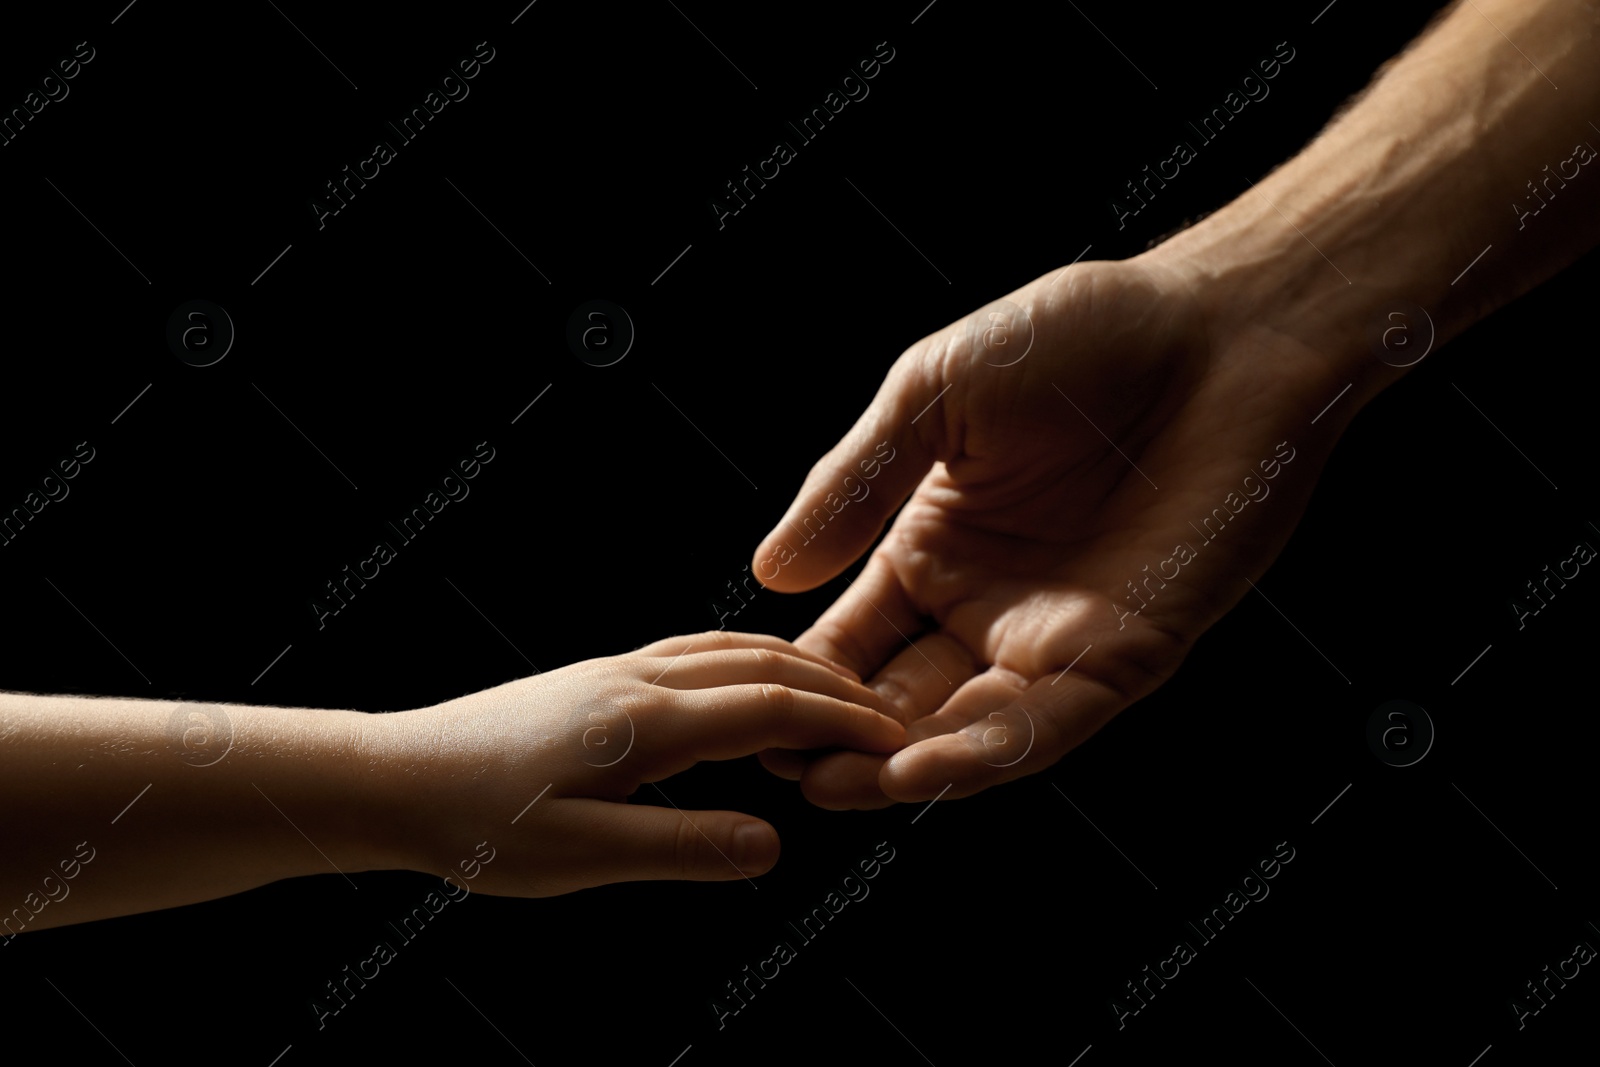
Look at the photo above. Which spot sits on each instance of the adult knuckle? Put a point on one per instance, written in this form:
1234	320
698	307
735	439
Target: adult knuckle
895	694
1152	657
843	644
689	848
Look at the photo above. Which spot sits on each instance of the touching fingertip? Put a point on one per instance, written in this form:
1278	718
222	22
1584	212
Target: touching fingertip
906	778
891	732
783	763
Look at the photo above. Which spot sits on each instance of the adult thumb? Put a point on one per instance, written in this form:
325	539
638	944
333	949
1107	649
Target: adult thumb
855	488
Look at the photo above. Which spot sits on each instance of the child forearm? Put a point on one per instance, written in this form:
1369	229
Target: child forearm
172	802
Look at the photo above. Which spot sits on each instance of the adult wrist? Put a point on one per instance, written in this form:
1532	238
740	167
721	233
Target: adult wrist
1410	217
1328	297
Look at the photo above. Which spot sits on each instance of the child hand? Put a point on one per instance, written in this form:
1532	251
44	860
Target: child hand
539	770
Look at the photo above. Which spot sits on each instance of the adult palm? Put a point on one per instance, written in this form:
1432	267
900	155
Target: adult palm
1058	446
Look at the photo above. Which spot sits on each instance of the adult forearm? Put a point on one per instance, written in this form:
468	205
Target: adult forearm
172	803
1479	137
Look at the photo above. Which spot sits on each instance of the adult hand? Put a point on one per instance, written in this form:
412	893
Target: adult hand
1097	466
1036	528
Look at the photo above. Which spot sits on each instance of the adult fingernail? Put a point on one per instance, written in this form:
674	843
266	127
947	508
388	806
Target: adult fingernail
755	847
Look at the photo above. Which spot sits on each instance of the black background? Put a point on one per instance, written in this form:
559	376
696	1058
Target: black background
407	330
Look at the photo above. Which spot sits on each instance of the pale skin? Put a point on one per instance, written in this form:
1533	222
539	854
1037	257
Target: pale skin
1198	359
1009	561
284	792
